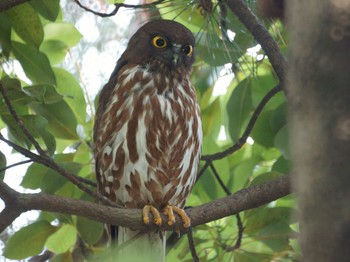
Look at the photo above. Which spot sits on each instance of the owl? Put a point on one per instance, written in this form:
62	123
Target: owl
148	132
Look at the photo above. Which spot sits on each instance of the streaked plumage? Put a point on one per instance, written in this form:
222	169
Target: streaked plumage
148	131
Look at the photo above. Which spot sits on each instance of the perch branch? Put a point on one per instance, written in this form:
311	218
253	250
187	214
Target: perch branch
244	199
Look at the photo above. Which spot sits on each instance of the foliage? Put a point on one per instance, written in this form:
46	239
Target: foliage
55	110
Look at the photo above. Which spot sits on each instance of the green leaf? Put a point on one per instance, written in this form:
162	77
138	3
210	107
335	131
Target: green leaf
263	178
216	52
45	94
35	64
282	141
49	141
65	257
47	8
259	218
34	175
89	230
244	256
206	181
281	165
242	172
15	133
36	125
2	165
262	84
239	108
73	94
268	124
27	24
5	34
211	118
55	50
53	181
28	241
62	122
14	93
62	240
62	31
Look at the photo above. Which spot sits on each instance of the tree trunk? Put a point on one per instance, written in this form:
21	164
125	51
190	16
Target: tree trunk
319	111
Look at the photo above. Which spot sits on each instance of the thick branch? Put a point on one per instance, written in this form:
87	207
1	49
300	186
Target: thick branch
260	33
7	4
242	200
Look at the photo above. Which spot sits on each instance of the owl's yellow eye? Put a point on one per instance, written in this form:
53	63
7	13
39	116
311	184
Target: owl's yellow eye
188	49
159	42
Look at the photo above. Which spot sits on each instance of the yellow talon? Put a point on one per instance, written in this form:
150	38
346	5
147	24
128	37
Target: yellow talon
169	212
156	215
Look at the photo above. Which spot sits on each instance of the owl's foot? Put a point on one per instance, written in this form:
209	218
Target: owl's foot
156	215
169	212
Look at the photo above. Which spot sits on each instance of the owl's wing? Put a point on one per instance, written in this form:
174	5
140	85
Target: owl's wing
111	231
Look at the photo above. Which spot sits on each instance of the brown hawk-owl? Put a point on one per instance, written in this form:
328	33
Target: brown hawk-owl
148	131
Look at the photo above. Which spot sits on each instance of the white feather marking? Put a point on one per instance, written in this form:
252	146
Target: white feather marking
130	74
110	178
107	150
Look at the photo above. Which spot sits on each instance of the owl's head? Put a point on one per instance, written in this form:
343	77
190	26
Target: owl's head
167	42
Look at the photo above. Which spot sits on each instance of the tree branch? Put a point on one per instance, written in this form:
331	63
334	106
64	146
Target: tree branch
7	4
261	35
16	164
116	8
247	198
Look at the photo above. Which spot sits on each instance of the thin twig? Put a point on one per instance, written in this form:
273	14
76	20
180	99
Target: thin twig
16	164
237	245
201	172
20	122
242	140
238	217
192	245
76	180
261	35
117	6
218	178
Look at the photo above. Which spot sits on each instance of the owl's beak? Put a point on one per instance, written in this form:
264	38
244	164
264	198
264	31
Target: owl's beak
176	54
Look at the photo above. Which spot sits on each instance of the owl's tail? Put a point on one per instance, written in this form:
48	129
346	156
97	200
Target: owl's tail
137	246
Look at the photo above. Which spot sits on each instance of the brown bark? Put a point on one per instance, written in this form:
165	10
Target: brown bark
319	110
7	4
248	198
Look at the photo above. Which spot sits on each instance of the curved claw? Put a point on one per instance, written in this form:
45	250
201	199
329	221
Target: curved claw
156	215
169	212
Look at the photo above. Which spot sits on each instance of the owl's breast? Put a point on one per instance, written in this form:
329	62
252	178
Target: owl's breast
155	140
